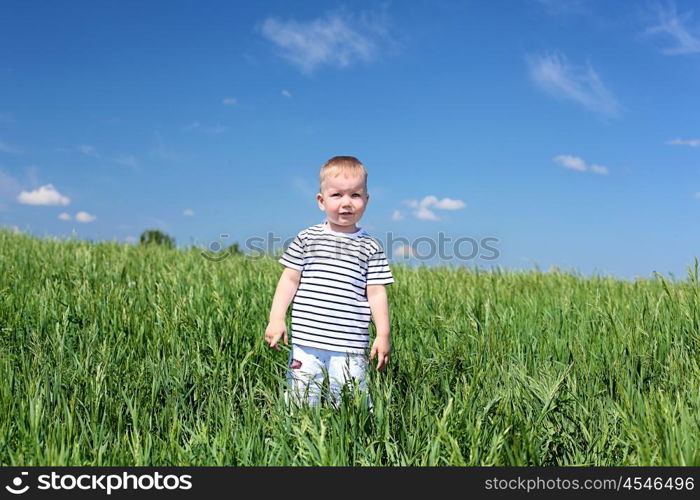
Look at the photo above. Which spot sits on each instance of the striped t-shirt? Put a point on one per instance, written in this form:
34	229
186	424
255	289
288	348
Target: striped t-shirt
330	309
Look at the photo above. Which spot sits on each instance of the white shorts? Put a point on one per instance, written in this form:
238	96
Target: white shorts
309	366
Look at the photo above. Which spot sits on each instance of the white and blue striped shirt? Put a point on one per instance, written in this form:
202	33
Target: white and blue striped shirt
330	309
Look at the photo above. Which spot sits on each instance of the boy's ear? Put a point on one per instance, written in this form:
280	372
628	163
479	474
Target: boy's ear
319	199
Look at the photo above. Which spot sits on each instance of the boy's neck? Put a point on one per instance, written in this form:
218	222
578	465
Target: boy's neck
341	229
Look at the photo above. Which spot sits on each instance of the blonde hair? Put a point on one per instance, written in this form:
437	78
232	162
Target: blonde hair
347	165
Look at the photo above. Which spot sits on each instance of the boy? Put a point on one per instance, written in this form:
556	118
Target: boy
335	276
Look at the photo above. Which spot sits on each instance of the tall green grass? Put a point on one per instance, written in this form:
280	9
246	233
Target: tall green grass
120	355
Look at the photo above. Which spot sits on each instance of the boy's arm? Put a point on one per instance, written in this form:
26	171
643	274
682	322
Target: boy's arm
379	305
286	288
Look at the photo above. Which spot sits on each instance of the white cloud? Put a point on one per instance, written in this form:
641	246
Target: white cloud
286	93
230	101
84	217
131	239
129	161
64	216
448	204
6	148
188	212
397	215
693	143
13	229
576	163
573	162
404	251
423	206
673	25
553	74
88	150
338	39
45	195
207	130
424	213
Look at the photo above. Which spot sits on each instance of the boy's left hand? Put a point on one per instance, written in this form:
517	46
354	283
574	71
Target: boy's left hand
381	348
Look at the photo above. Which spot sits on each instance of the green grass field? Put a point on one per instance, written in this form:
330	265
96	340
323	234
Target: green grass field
113	354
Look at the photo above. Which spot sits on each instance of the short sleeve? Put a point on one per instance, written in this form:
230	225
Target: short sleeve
378	272
293	255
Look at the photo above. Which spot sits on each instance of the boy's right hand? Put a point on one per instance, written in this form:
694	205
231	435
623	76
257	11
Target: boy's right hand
274	331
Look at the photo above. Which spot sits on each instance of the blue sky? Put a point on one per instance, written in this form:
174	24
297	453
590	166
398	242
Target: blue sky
566	129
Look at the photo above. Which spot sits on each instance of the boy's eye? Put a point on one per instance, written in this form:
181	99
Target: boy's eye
356	194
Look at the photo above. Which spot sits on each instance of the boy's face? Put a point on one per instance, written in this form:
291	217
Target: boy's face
344	199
